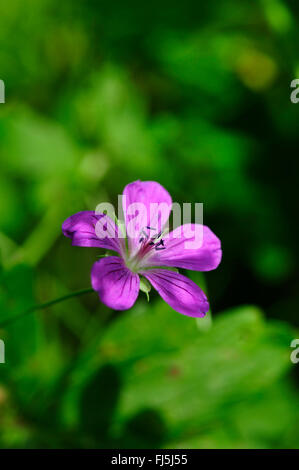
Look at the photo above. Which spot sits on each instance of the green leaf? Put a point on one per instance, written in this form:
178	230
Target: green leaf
204	324
198	379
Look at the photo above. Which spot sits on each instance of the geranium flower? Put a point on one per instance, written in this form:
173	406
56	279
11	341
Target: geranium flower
146	252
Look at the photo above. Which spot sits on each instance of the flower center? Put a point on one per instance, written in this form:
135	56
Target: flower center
149	240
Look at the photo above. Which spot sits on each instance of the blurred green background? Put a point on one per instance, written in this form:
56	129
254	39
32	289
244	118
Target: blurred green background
195	95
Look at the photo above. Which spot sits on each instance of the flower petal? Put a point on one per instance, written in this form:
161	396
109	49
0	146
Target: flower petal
145	204
88	228
116	285
184	249
182	294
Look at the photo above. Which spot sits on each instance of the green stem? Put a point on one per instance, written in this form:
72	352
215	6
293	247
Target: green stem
44	305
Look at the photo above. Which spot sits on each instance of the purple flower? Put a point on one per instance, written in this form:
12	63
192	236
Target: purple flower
146	251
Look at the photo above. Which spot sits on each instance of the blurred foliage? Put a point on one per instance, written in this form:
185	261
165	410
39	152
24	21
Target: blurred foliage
195	96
